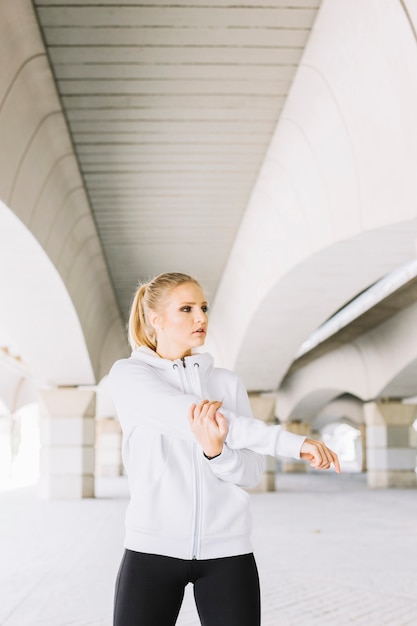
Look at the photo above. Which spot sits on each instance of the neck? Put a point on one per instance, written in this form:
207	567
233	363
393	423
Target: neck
172	355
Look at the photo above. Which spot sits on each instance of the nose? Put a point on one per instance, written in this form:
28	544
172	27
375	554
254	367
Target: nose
201	316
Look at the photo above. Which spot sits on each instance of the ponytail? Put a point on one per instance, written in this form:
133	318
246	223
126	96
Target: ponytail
140	332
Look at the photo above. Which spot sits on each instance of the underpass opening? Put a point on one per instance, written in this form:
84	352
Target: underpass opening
346	440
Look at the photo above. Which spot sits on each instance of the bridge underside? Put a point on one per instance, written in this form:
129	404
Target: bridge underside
270	151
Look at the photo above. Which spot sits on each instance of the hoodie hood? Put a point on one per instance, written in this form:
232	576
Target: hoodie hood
150	357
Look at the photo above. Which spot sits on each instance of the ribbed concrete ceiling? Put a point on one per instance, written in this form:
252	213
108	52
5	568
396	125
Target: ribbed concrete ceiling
171	107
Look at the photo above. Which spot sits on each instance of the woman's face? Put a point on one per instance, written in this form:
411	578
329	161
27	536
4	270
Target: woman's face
182	325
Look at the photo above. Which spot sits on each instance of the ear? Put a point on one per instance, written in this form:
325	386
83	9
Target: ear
154	320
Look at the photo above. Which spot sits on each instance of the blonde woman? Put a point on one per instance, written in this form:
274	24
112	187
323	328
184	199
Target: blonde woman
190	445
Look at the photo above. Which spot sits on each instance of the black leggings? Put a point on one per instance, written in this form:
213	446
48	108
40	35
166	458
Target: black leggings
150	590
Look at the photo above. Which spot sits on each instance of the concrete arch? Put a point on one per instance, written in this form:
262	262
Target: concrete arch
37	312
403	384
321	225
41	183
381	362
24	165
310	293
322	406
309	406
345	410
390	350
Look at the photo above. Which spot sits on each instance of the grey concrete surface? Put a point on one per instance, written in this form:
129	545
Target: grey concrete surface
330	552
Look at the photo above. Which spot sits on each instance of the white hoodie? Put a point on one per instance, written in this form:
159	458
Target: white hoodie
182	504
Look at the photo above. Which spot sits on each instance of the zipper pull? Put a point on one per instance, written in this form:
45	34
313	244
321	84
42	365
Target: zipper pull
183	361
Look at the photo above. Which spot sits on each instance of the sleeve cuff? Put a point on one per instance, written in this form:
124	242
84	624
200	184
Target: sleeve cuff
210	458
223	458
289	444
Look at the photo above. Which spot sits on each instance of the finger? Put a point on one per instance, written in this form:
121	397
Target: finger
332	458
212	409
324	452
202	408
317	461
222	424
325	457
216	403
209	409
326	460
336	463
319	456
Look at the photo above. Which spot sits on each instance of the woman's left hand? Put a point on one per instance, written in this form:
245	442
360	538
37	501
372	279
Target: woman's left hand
319	455
209	426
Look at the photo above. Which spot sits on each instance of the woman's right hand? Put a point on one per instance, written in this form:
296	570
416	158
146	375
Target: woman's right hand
208	426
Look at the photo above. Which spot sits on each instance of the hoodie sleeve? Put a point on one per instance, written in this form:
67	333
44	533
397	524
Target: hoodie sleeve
267	439
139	394
245	431
240	467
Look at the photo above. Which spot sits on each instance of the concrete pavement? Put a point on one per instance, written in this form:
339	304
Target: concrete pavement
330	552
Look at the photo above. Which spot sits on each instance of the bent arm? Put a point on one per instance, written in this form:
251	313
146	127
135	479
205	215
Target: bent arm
140	395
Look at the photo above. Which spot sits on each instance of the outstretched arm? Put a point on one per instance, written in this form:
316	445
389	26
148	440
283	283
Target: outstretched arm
209	426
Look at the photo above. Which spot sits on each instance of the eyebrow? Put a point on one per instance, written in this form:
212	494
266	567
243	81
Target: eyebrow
182	303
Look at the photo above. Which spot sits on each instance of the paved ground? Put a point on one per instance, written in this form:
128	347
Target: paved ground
330	553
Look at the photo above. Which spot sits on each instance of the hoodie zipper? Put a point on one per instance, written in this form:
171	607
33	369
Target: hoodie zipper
184	378
197	517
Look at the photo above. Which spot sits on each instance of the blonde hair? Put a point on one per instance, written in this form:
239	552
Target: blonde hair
149	297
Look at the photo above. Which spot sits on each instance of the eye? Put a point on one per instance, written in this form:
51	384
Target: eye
205	308
186	309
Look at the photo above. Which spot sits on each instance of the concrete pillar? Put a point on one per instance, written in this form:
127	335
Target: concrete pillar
263	408
108	450
391	445
293	466
361	441
67	443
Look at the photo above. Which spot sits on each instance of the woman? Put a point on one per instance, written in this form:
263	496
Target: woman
188	517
